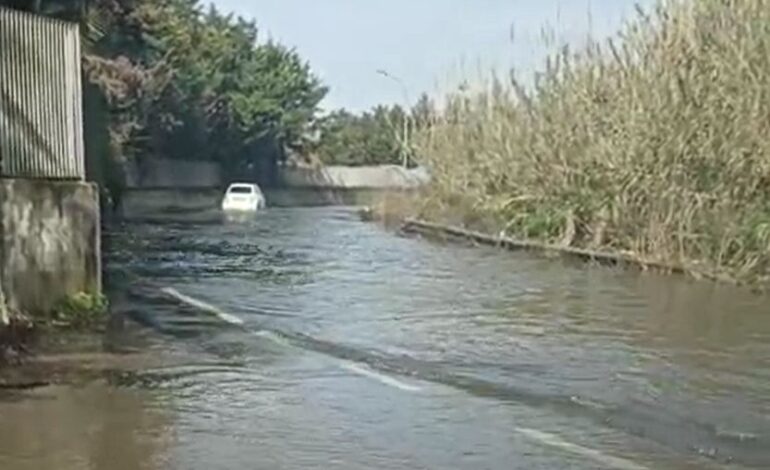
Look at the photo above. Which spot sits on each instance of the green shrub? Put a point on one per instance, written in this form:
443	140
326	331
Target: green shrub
81	310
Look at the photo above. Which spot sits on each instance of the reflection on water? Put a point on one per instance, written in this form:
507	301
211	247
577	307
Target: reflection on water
241	217
361	349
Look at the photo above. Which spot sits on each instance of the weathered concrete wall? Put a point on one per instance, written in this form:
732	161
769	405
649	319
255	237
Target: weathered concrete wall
369	177
189	204
143	202
169	186
310	197
180	174
49	242
164	185
159	173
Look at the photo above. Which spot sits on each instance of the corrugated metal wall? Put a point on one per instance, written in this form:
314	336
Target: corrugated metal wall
41	109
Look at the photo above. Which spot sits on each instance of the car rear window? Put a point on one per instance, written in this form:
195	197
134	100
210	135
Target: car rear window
240	190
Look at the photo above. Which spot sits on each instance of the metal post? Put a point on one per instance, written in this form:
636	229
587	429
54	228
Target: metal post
407	116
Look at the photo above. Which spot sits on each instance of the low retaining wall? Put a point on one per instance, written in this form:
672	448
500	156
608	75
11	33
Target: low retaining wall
141	203
429	229
146	202
345	177
172	186
174	174
160	173
49	242
316	197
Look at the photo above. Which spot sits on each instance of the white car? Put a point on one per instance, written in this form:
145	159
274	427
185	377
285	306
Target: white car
243	197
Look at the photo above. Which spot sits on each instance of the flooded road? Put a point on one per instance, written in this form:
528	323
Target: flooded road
307	339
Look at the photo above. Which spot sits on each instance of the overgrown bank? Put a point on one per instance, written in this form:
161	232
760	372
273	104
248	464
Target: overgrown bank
654	145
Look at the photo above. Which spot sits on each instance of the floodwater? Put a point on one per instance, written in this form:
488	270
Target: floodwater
307	339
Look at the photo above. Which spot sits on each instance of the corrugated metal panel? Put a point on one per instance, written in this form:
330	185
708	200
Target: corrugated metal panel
41	109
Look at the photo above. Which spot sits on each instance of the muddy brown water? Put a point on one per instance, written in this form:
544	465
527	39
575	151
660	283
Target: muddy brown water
362	349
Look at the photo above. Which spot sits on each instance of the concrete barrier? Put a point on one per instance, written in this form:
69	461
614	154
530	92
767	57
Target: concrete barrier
138	203
50	244
344	177
154	203
310	197
159	173
174	186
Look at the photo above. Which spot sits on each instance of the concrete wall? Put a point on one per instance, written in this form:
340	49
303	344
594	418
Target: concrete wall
49	242
344	177
310	197
200	204
137	203
196	188
179	174
158	173
49	223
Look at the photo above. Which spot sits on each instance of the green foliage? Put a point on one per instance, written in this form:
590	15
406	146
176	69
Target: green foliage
380	136
228	94
82	310
365	139
186	83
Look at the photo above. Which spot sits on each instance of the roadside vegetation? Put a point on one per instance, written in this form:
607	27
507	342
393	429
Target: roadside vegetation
182	81
81	311
179	79
380	136
653	144
174	79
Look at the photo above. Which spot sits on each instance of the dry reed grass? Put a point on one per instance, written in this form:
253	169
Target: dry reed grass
655	144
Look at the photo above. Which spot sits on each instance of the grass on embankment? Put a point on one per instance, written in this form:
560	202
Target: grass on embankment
656	145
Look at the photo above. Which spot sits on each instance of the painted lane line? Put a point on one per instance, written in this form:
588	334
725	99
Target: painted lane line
225	317
544	438
233	320
383	379
276	339
554	441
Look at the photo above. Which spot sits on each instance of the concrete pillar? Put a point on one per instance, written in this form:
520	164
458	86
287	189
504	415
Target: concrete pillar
50	243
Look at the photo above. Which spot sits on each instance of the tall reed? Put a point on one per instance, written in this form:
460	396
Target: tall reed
656	143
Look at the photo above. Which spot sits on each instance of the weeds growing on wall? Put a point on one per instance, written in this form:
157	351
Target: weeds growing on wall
81	311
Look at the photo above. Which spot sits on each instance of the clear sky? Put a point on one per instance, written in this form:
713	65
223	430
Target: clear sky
429	45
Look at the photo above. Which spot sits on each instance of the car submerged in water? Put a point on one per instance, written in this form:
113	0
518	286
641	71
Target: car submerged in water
243	197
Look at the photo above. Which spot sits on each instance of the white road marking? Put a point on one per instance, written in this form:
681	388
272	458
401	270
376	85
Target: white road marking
273	337
552	440
383	379
541	437
226	317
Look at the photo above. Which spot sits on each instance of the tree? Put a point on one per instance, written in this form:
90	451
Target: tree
376	137
185	83
231	98
423	111
365	139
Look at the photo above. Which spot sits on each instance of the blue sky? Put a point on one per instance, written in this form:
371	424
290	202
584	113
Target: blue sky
428	45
